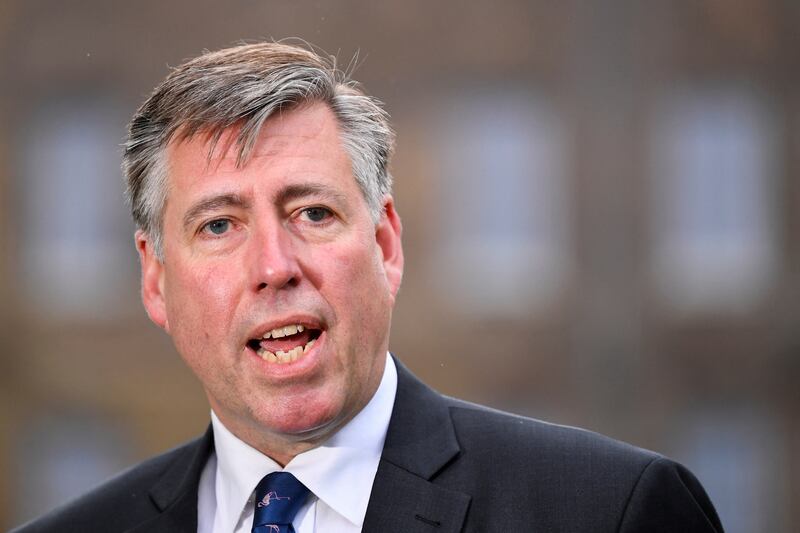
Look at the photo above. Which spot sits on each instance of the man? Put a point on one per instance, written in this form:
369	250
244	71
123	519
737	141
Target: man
270	252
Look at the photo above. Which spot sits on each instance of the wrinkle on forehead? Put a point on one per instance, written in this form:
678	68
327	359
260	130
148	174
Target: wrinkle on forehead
277	132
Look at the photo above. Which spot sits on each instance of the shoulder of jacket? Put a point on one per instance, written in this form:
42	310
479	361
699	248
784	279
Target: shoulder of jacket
127	489
479	425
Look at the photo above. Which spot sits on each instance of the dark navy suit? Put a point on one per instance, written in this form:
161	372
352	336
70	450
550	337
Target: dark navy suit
447	466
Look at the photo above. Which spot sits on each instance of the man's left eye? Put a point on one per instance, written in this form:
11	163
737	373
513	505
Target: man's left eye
316	214
218	227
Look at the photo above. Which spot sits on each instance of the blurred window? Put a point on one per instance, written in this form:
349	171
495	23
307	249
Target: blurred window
76	251
503	212
61	457
713	214
737	455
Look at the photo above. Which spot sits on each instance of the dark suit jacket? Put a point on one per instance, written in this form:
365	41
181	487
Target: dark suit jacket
447	466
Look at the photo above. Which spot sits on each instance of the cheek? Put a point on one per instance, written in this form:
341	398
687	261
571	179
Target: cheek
352	272
218	287
199	300
362	290
209	284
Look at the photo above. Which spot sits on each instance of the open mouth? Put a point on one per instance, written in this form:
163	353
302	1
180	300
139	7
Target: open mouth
284	344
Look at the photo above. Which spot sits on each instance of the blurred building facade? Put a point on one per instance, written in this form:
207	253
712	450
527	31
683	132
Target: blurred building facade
601	213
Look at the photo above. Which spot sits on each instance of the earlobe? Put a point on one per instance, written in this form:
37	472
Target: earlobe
152	281
388	234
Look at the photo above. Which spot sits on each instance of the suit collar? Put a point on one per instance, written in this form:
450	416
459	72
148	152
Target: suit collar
175	493
420	443
183	475
421	438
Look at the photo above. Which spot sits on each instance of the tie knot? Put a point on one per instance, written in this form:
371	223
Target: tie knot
279	496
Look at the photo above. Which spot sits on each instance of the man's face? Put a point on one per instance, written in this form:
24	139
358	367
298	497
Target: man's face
252	253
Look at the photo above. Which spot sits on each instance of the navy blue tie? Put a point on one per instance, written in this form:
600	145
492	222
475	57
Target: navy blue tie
279	496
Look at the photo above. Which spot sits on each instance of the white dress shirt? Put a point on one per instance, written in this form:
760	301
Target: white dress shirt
339	473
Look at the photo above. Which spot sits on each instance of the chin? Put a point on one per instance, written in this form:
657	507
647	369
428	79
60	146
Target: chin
303	423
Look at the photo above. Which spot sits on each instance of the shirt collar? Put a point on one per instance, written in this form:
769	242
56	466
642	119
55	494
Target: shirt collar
340	472
239	469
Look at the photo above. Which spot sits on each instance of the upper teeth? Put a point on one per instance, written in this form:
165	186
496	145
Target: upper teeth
277	333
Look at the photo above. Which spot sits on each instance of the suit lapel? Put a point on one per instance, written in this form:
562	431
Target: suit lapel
420	442
175	493
177	519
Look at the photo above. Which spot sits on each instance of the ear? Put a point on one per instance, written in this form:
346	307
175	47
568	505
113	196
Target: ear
388	235
152	281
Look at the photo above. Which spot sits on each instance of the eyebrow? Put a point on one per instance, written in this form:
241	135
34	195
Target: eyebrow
211	203
304	190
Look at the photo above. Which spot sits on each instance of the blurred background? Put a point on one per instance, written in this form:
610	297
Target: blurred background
601	212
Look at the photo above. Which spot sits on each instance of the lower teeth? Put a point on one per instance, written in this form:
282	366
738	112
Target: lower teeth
282	357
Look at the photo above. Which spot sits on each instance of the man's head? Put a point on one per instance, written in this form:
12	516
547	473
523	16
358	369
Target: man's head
241	88
269	242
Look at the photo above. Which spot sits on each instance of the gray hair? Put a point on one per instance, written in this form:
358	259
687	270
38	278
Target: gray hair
243	86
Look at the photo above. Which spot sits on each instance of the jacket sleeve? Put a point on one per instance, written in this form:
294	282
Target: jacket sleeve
667	498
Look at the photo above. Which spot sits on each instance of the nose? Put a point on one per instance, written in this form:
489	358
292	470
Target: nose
275	260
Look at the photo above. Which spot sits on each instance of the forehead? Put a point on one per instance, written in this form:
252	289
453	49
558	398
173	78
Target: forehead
302	142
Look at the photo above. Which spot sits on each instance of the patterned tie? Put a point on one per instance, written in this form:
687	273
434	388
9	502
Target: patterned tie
279	496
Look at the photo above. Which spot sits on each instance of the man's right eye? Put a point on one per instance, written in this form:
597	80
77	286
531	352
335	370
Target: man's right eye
217	227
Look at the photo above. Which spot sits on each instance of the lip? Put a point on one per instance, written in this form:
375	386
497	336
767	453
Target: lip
303	366
306	321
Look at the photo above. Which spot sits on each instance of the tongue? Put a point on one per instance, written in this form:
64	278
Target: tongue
286	343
